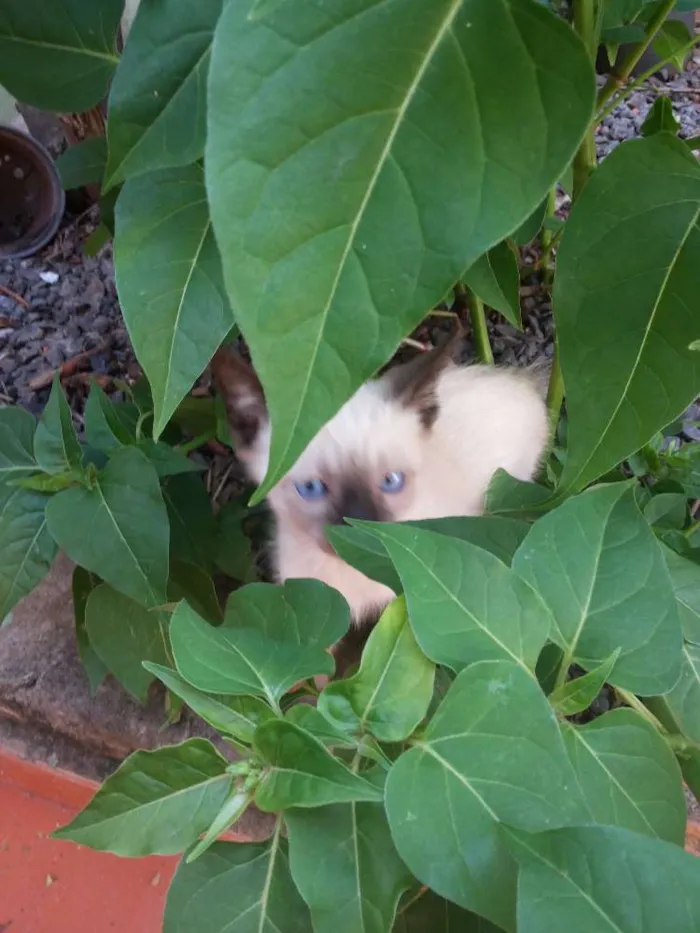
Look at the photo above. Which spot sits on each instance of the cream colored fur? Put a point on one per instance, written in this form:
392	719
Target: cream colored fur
488	418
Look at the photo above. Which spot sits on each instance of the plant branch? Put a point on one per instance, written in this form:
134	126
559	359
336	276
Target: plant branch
477	315
636	704
199	441
555	393
638	81
619	77
547	238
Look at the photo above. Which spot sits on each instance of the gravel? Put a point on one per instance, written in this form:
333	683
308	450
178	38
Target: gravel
68	304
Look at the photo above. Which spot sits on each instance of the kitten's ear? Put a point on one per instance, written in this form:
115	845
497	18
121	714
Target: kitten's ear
413	384
243	396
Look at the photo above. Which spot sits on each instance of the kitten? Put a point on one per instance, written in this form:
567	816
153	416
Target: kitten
421	441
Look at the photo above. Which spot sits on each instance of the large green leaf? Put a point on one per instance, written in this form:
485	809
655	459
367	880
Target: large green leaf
123	634
596	563
27	548
56	445
684	699
498	536
17	429
495	278
236	716
155	802
628	774
464	604
242	887
685	579
358	882
626	284
157	102
193	530
83	583
58	57
193	584
302	772
583	871
356	253
491	754
428	912
118	529
391	692
272	638
170	284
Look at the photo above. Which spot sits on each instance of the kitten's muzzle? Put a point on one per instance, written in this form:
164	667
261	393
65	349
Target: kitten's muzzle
356	503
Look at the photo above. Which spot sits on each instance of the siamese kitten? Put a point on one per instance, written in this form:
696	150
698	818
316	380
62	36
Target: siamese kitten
421	441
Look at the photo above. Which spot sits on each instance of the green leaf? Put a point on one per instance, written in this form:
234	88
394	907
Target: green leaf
26	546
547	667
611	362
56	446
302	772
233	809
108	426
188	581
660	118
118	529
97	239
155	803
17	429
673	41
83	163
83	584
272	638
428	912
358	882
527	232
499	536
192	523
584	871
495	278
507	496
123	634
234	553
492	754
684	699
576	695
170	283
391	692
236	716
596	563
666	510
464	604
248	884
168	461
685	580
628	774
60	59
311	720
357	253
157	102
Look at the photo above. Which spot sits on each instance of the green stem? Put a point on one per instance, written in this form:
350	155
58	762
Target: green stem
636	704
563	671
199	441
585	26
477	315
547	238
638	81
555	393
618	77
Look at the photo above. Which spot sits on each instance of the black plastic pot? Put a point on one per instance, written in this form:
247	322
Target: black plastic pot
32	200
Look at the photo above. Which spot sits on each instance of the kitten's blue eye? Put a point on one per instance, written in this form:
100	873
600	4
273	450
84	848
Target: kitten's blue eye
393	482
312	489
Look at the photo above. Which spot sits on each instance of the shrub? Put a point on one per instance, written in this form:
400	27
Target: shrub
321	176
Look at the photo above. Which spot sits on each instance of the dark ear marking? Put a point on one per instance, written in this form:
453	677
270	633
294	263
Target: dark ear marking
413	384
242	393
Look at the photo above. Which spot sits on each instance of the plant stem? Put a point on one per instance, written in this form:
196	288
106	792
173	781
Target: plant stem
547	238
619	77
636	704
563	671
629	88
199	441
555	393
477	315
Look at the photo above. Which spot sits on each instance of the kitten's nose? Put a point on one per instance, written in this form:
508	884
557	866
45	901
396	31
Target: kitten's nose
356	503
